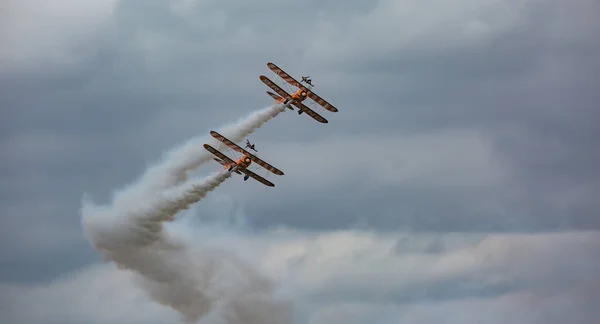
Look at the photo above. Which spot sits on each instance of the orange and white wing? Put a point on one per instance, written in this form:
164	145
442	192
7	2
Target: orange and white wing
321	101
310	112
275	87
254	158
218	154
282	74
258	178
274	96
288	78
221	158
277	98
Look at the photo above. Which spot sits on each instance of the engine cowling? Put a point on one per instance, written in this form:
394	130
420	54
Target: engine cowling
245	161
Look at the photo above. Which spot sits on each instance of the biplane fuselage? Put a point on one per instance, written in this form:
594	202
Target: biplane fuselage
297	96
243	162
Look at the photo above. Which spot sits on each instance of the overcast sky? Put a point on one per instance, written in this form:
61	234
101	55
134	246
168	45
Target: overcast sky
458	182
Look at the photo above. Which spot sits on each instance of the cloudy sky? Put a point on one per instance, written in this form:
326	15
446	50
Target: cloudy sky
457	183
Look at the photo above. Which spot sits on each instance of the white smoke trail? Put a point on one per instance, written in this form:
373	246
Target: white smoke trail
134	224
193	281
192	155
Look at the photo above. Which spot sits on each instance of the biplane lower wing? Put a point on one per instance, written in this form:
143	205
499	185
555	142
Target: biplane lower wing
220	157
289	79
284	94
224	164
321	101
275	87
224	159
310	112
253	157
258	178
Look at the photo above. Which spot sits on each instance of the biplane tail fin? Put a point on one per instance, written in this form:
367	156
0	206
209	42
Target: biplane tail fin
221	162
278	99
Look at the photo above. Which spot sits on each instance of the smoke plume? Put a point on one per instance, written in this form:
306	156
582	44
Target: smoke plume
195	281
192	155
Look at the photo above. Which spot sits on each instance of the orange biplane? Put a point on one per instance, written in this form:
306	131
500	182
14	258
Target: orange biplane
297	97
240	165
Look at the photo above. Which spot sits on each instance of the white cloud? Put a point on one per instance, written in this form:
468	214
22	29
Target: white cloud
359	276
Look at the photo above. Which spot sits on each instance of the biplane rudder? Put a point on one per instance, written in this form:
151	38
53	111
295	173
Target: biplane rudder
278	99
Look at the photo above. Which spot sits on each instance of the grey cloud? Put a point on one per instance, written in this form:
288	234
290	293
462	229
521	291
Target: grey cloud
158	59
494	278
497	266
160	72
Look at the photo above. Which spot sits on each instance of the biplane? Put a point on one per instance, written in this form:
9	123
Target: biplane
240	165
250	146
297	97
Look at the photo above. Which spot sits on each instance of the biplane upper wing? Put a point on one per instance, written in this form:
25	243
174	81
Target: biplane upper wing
258	178
288	78
284	94
282	74
254	158
310	112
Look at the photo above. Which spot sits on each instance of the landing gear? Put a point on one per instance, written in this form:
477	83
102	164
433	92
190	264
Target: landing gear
231	168
300	111
246	177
